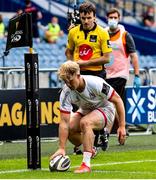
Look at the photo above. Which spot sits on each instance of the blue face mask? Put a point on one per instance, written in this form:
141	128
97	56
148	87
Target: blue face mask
112	23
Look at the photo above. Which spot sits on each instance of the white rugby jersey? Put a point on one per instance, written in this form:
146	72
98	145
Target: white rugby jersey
95	95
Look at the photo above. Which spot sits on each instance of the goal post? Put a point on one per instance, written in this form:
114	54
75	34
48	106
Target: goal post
20	35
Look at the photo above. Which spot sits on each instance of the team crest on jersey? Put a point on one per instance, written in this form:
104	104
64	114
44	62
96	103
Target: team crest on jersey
105	89
93	38
85	52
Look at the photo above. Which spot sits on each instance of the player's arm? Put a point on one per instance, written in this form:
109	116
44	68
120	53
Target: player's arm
135	62
65	109
116	99
70	46
131	51
63	129
109	93
69	54
121	132
63	134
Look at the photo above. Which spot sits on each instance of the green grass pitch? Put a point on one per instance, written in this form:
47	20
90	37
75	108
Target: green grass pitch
135	160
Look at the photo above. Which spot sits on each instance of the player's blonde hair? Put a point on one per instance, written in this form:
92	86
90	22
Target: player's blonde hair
68	70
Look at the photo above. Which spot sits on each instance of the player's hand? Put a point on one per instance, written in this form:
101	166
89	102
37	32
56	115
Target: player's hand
121	139
121	133
137	82
58	152
82	63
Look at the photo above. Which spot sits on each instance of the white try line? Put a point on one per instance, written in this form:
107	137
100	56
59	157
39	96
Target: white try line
93	165
123	172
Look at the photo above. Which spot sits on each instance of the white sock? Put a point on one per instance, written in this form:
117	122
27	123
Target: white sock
86	158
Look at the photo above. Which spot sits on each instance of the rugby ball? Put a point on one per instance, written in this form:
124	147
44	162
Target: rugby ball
59	163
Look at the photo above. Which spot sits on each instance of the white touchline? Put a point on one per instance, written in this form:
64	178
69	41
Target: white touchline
93	165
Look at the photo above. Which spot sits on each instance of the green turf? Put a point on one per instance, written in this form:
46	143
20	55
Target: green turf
137	159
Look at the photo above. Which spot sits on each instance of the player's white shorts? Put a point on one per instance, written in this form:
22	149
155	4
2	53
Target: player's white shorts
107	113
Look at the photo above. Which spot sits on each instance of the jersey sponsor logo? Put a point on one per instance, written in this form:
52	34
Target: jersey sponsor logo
85	52
93	38
105	89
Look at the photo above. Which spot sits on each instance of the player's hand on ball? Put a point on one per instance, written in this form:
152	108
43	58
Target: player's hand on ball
58	152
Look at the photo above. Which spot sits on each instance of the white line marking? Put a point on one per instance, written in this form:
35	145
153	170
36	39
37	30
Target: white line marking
14	171
116	163
124	172
93	165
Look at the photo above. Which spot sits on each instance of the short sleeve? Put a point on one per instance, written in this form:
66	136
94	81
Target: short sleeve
70	43
106	46
130	44
65	101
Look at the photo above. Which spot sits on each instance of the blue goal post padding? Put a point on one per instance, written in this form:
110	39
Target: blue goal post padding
140	105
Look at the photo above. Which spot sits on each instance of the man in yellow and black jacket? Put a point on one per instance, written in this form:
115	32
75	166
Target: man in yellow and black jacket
88	43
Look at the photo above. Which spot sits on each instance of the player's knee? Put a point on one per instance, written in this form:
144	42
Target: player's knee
84	125
72	127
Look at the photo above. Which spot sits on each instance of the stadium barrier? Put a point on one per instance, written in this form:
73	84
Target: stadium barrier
14	77
3	75
152	75
144	75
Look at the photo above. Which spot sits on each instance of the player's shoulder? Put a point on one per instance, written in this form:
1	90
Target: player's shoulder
74	29
93	80
102	29
65	89
103	33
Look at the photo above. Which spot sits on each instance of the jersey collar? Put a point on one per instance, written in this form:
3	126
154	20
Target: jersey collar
94	27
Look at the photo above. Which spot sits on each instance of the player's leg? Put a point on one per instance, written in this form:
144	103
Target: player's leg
75	135
104	133
94	120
